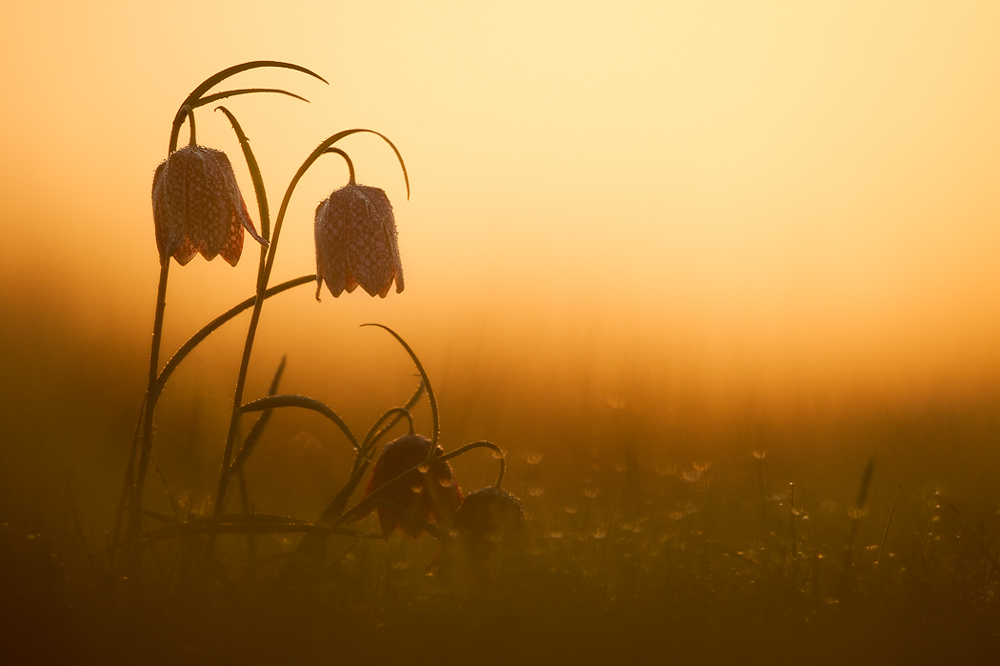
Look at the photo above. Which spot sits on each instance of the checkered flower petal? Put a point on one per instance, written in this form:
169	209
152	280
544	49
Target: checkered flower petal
356	242
197	207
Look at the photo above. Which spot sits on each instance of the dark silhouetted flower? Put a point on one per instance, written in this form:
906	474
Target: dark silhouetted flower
433	495
488	519
197	207
356	242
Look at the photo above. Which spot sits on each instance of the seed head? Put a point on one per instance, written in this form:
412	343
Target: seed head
433	495
197	207
356	242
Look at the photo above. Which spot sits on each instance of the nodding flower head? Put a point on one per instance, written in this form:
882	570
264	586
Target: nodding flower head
488	519
433	495
197	207
356	242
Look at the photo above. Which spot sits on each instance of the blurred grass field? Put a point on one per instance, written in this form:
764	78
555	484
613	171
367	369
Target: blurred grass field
661	529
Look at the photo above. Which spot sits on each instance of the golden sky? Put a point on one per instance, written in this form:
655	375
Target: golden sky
765	194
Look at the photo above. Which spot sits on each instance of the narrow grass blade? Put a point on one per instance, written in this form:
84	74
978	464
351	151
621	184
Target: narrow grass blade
258	180
217	78
216	323
304	402
258	427
435	423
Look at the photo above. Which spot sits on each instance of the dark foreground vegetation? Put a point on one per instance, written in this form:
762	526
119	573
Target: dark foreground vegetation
864	537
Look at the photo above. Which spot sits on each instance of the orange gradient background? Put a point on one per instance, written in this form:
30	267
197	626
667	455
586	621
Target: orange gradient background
797	201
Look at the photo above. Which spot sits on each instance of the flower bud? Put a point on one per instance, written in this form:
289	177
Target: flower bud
488	519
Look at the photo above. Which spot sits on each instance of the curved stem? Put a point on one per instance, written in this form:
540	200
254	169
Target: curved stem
192	139
214	325
374	432
410	404
146	443
195	98
350	164
435	424
263	276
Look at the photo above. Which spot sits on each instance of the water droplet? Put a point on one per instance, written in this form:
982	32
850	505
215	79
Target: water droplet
571	510
702	465
498	455
666	469
534	458
691	475
423	469
446	481
536	491
555	535
616	401
418	488
599	533
592	492
759	454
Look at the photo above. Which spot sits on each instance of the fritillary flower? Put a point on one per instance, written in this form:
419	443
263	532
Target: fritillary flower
356	242
487	519
433	495
197	207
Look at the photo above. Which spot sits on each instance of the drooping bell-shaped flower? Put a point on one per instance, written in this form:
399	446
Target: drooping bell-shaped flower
488	519
433	495
356	242
197	207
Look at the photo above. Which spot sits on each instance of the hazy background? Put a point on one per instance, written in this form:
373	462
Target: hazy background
707	209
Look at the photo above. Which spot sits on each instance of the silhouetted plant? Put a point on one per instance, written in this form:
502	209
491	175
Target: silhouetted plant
198	208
